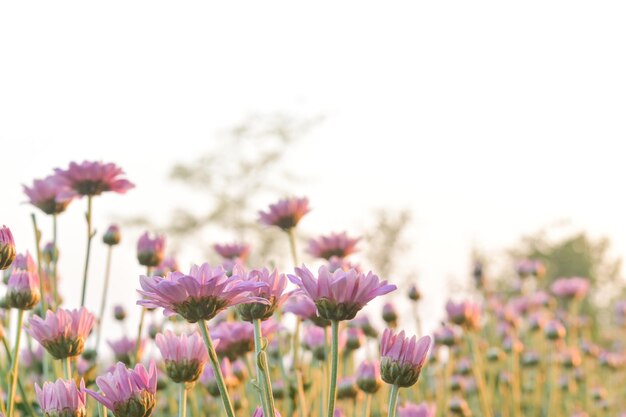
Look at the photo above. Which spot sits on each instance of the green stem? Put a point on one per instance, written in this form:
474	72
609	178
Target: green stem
107	273
261	368
393	400
14	363
479	375
29	409
368	405
44	307
332	392
292	245
55	290
219	379
182	400
89	237
67	368
140	328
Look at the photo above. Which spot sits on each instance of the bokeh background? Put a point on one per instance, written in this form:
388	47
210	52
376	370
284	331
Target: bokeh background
441	132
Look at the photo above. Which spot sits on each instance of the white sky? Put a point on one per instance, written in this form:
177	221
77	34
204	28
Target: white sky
488	118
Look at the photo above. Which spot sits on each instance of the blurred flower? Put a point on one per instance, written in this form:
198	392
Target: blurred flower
200	295
50	195
124	348
237	338
335	263
258	412
91	178
458	406
402	358
420	410
50	253
184	355
465	313
314	339
273	292
554	330
363	322
208	377
23	289
530	267
167	265
119	312
286	213
128	392
389	315
233	250
303	307
62	398
334	244
112	236
62	333
346	388
447	335
570	288
368	376
414	293
341	294
7	248
150	250
355	338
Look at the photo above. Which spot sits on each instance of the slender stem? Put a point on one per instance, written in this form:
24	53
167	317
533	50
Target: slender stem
292	245
29	409
67	368
393	400
14	363
140	328
368	405
219	379
479	375
332	392
182	400
55	289
107	273
89	237
102	410
44	307
260	372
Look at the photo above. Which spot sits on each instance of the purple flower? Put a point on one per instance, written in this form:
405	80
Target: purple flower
51	195
112	236
92	178
334	244
570	288
237	338
124	348
7	248
63	333
128	392
258	412
62	398
420	410
368	376
402	358
341	294
466	314
286	213
23	289
199	295
184	355
273	292
233	250
150	250
303	307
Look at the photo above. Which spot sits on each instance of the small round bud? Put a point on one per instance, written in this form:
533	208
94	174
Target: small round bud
119	312
112	236
414	294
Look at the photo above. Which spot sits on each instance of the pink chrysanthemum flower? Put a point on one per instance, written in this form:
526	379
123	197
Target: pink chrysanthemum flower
128	392
314	339
368	376
92	178
7	248
570	288
233	250
62	398
465	313
303	307
124	348
420	410
237	338
258	412
150	250
402	358
62	333
23	289
167	265
341	294
334	244
335	263
286	213
199	295
51	195
184	355
273	292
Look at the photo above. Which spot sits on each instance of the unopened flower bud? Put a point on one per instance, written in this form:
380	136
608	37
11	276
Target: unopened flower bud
7	248
119	312
112	236
23	289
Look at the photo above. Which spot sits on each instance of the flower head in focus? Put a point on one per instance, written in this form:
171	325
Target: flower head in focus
91	178
402	358
286	213
62	398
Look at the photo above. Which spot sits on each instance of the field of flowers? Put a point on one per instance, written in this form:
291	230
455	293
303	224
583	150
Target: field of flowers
247	340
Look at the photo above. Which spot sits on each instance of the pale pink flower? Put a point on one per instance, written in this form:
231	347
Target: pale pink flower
570	288
150	250
62	398
258	412
127	392
530	267
63	333
92	178
7	248
237	338
124	348
23	289
233	250
465	313
335	263
51	195
184	355
417	410
200	295
167	265
402	358
24	261
341	294
273	292
368	376
303	307
334	244
285	213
